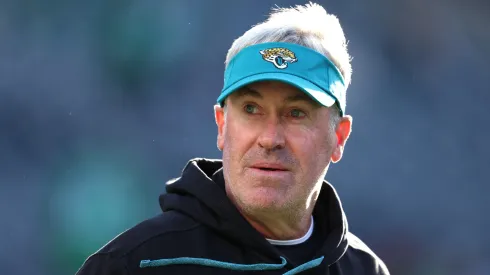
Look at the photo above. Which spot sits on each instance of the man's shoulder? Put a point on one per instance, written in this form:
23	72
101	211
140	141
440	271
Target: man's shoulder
160	229
159	226
363	254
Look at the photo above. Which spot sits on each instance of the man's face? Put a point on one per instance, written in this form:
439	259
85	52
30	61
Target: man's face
277	144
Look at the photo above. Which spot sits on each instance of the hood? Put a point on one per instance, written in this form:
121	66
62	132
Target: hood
200	194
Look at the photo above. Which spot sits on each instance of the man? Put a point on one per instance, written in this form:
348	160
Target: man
265	208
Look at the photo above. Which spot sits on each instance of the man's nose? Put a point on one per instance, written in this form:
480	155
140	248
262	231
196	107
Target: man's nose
272	135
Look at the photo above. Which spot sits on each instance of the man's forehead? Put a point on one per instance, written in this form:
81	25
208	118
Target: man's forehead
257	90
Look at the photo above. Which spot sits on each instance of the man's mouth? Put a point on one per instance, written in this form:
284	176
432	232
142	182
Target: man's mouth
269	169
274	167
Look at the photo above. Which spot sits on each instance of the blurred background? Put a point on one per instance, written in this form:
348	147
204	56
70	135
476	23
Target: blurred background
102	101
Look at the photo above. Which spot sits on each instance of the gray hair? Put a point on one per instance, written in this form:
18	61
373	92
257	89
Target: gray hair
309	26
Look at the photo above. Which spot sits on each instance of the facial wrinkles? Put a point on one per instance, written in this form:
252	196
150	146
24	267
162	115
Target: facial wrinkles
301	136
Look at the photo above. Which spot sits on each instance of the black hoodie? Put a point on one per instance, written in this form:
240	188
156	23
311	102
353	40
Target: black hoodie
201	232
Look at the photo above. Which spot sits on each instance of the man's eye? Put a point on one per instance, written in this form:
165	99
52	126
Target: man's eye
251	109
297	113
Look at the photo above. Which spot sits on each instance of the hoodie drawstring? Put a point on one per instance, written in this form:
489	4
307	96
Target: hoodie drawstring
212	263
308	265
231	266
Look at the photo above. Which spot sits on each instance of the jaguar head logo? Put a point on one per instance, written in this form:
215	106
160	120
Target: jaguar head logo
280	57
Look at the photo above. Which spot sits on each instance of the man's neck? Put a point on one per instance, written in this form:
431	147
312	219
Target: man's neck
297	240
279	225
278	228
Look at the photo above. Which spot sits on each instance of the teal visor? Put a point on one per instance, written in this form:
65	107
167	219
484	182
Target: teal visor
304	68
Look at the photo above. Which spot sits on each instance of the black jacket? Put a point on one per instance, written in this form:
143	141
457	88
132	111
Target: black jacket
201	232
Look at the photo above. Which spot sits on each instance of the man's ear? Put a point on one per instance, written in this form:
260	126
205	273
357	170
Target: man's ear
342	132
219	117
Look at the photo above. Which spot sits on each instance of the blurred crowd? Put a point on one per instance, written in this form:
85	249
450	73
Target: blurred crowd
101	102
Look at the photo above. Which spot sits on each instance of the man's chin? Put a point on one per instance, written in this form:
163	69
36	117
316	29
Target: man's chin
265	202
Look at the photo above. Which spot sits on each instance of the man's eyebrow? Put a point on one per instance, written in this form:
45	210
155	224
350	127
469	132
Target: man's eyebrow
297	97
302	97
247	91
